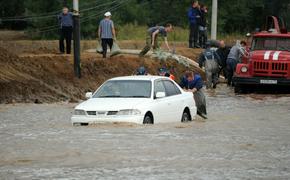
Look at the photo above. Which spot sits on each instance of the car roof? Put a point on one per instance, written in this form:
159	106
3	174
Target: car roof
138	78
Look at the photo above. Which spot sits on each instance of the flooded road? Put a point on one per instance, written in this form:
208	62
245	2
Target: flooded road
245	137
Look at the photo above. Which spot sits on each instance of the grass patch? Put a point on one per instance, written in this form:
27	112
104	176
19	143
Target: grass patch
134	32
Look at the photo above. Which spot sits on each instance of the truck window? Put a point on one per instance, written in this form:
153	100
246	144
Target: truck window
279	44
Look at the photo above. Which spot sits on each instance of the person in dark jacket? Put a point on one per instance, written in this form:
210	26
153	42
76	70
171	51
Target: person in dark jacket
209	59
192	82
202	33
66	28
193	17
223	52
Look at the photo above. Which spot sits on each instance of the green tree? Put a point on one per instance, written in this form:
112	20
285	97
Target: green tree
12	8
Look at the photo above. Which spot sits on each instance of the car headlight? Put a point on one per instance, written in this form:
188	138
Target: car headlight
79	112
129	112
244	69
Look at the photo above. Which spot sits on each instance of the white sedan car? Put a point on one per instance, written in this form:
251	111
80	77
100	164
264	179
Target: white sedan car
136	99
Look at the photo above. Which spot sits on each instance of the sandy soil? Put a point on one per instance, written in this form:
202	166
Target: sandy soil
33	71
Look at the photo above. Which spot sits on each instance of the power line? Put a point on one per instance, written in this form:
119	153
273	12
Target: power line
100	5
88	18
29	19
30	16
53	28
101	13
43	14
48	15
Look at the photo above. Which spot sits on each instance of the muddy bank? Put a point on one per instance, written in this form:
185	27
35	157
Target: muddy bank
41	75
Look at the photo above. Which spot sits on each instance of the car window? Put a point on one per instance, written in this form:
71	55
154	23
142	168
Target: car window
171	88
159	87
124	89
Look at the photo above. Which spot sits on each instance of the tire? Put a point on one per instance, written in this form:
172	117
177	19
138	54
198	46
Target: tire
185	117
148	119
238	89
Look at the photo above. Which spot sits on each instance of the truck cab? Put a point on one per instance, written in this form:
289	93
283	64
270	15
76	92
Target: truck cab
268	63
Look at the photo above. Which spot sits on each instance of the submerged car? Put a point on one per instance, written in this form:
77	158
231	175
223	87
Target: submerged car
136	99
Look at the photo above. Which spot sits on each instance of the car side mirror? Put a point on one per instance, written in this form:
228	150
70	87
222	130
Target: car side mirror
160	95
89	95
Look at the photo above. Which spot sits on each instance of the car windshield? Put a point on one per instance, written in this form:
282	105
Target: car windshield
279	44
124	89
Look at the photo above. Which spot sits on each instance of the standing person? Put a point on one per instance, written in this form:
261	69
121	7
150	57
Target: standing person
191	82
152	38
223	52
107	33
202	33
234	58
66	28
209	59
193	17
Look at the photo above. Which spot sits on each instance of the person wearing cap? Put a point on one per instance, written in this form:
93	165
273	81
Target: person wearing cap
66	28
152	38
209	59
141	71
106	33
165	72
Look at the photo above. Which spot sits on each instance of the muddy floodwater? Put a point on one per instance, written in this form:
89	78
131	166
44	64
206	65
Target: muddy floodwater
245	137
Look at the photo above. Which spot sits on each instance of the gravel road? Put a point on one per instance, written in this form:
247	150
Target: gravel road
245	137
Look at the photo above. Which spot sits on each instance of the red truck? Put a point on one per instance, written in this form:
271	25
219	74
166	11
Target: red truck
268	63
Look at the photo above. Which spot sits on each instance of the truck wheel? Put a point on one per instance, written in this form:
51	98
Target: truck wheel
237	89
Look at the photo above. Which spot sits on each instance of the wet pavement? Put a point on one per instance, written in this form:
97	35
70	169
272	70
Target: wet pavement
245	137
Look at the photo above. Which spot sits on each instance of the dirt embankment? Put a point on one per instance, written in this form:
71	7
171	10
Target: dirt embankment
49	77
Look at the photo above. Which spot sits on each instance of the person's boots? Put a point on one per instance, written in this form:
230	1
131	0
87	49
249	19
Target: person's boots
196	46
203	115
190	44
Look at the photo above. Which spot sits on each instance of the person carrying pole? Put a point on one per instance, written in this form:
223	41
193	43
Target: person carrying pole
107	33
152	38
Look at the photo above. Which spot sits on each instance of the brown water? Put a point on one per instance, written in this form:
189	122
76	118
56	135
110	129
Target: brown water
245	137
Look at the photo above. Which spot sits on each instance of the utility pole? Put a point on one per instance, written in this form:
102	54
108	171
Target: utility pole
214	19
77	39
65	3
